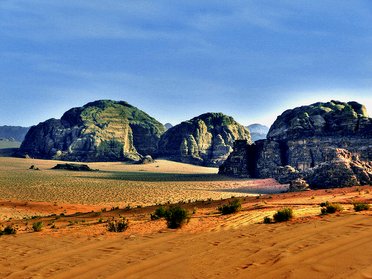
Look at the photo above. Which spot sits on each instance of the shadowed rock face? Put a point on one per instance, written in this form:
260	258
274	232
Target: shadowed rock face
99	131
204	140
302	143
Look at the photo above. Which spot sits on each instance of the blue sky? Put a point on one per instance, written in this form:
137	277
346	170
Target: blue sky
178	59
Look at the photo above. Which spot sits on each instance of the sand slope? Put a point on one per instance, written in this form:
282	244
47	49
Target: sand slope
331	247
120	184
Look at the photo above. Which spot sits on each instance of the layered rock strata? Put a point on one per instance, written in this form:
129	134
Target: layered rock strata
204	140
309	142
99	131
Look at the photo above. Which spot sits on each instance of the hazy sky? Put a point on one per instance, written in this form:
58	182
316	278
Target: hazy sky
178	59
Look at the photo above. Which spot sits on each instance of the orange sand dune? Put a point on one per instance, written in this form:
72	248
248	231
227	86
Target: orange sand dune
332	247
75	243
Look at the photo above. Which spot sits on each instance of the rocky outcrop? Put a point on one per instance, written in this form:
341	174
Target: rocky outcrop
258	131
310	142
298	185
99	131
342	169
204	140
72	167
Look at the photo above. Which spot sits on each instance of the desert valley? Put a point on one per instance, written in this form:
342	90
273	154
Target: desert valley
185	139
104	221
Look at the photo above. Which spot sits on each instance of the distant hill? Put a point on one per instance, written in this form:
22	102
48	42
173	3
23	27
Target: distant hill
258	131
168	126
13	133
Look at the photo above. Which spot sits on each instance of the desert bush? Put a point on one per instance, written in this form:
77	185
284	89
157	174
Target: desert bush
232	207
8	230
267	220
158	213
283	215
329	208
37	226
117	226
360	206
176	217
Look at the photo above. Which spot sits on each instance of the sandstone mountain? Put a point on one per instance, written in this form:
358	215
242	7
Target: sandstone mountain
258	131
204	140
103	130
326	144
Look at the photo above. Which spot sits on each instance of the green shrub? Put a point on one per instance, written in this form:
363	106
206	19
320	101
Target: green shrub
158	213
37	226
267	220
117	226
360	206
8	230
329	208
176	217
284	214
232	207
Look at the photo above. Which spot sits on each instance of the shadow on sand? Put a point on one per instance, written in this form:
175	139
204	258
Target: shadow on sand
160	177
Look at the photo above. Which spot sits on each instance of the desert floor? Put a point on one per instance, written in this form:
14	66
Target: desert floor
75	243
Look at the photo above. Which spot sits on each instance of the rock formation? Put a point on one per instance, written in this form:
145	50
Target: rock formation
99	131
72	167
327	144
204	140
258	131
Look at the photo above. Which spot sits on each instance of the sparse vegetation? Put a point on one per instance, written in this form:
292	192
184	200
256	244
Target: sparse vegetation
158	213
267	220
176	217
284	214
361	206
37	226
330	208
8	230
118	225
232	207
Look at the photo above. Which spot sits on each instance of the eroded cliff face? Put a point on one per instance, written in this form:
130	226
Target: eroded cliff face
302	143
99	131
204	140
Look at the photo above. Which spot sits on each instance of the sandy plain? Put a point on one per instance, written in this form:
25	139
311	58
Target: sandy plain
76	244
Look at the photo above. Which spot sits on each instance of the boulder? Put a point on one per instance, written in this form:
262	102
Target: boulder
298	185
146	160
204	140
99	131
